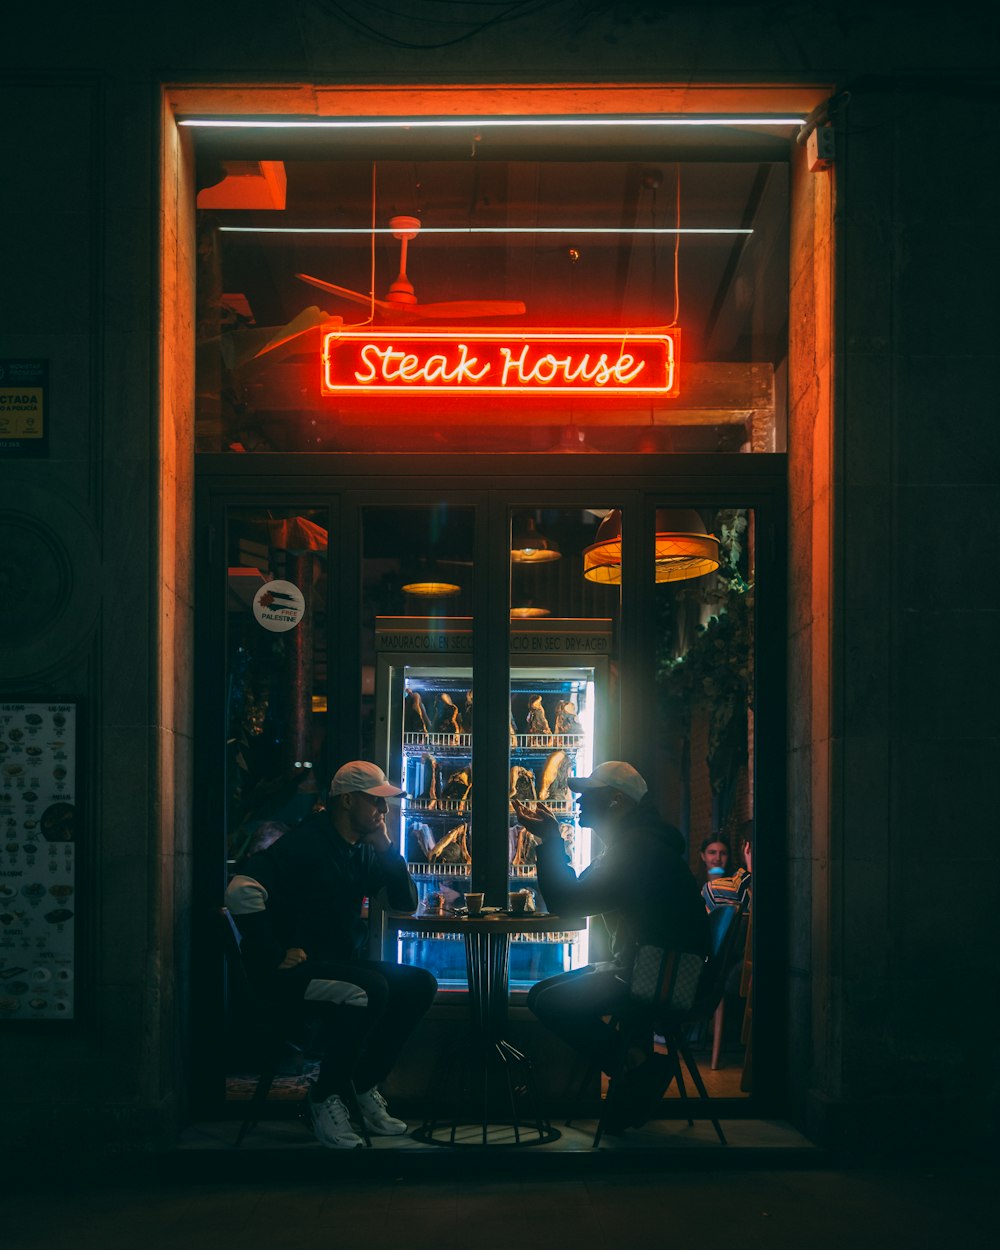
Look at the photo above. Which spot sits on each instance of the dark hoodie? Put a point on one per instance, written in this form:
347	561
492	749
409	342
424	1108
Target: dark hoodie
306	891
639	884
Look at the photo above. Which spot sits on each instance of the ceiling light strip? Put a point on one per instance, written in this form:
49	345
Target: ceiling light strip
574	230
478	123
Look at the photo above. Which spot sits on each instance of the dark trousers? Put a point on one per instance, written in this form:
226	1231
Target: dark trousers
572	1005
363	1043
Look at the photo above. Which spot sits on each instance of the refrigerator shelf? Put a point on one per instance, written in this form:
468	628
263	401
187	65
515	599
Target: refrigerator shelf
557	807
460	744
457	869
441	807
548	742
548	939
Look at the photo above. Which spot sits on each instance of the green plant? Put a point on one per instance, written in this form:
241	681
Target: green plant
714	675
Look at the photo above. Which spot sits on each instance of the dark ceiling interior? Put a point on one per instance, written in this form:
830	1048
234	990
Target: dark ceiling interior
730	295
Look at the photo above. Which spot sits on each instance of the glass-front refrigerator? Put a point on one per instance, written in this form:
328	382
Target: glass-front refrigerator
427	713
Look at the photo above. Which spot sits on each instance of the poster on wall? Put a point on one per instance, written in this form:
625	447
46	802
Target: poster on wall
37	859
24	427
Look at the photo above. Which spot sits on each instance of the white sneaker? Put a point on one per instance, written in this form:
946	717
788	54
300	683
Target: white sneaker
332	1125
376	1116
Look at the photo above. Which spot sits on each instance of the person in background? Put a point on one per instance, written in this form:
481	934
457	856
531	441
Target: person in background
736	888
298	904
715	855
646	894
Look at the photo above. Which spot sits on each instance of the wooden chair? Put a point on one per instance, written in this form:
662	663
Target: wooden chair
272	1026
683	991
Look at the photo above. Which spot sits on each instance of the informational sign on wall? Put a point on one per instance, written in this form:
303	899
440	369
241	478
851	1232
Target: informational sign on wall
23	418
37	860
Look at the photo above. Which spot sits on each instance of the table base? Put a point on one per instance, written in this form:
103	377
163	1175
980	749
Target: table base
500	1125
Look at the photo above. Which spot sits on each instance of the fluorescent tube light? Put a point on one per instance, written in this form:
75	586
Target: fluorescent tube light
574	230
477	123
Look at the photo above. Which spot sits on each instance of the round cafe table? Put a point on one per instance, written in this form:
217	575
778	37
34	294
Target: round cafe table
497	1070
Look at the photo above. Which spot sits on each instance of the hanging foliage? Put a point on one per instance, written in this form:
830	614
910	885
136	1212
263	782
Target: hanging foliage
714	675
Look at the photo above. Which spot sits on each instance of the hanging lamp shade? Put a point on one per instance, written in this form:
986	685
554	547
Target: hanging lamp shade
684	549
529	612
428	581
528	545
431	590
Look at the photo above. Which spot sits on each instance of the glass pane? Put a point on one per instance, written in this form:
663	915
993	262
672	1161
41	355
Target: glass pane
417	645
493	246
563	641
276	669
704	604
276	689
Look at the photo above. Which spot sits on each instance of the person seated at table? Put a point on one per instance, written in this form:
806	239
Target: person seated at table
715	855
641	886
734	889
298	907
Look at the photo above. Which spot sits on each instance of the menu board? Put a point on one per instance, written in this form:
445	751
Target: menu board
37	860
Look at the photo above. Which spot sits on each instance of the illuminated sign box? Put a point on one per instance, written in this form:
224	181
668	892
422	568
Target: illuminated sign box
486	362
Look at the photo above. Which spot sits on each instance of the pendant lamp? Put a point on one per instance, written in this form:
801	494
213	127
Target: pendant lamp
684	549
528	545
428	582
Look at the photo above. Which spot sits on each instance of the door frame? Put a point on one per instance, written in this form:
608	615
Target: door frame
491	484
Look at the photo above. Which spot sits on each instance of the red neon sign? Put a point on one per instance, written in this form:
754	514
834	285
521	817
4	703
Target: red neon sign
488	362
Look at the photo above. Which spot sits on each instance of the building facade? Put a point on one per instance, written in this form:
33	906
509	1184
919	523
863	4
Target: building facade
889	613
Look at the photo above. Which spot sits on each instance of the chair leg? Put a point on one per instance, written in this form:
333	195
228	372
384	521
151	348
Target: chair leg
260	1093
610	1101
692	1067
718	1024
678	1076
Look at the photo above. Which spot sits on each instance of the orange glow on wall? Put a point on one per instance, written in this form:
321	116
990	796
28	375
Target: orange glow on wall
486	362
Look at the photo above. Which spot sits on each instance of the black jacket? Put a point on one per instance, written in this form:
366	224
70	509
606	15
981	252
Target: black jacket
315	883
639	884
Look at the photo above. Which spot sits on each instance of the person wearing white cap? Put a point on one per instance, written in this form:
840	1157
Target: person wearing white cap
298	906
646	894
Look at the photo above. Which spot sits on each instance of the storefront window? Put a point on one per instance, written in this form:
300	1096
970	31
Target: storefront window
705	775
563	646
416	305
276	671
417	714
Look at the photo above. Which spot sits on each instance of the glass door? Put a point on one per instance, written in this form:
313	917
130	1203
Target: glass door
489	642
703	593
276	671
418	591
564	637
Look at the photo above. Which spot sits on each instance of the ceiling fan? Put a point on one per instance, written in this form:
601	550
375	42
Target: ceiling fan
400	305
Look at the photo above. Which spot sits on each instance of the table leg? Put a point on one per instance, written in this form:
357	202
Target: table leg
487	963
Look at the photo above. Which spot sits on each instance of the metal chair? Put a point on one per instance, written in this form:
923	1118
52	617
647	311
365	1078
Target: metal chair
671	992
273	1027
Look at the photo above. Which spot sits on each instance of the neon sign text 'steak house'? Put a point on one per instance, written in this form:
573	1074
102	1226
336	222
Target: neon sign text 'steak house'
532	362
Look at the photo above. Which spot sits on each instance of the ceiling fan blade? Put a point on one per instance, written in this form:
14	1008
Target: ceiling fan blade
468	308
344	292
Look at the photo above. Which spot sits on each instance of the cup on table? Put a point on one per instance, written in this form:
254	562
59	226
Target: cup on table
474	902
517	903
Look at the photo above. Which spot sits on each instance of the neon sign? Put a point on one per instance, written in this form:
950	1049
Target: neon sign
485	362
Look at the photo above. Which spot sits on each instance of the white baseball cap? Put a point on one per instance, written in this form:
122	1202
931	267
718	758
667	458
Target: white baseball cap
360	775
613	775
